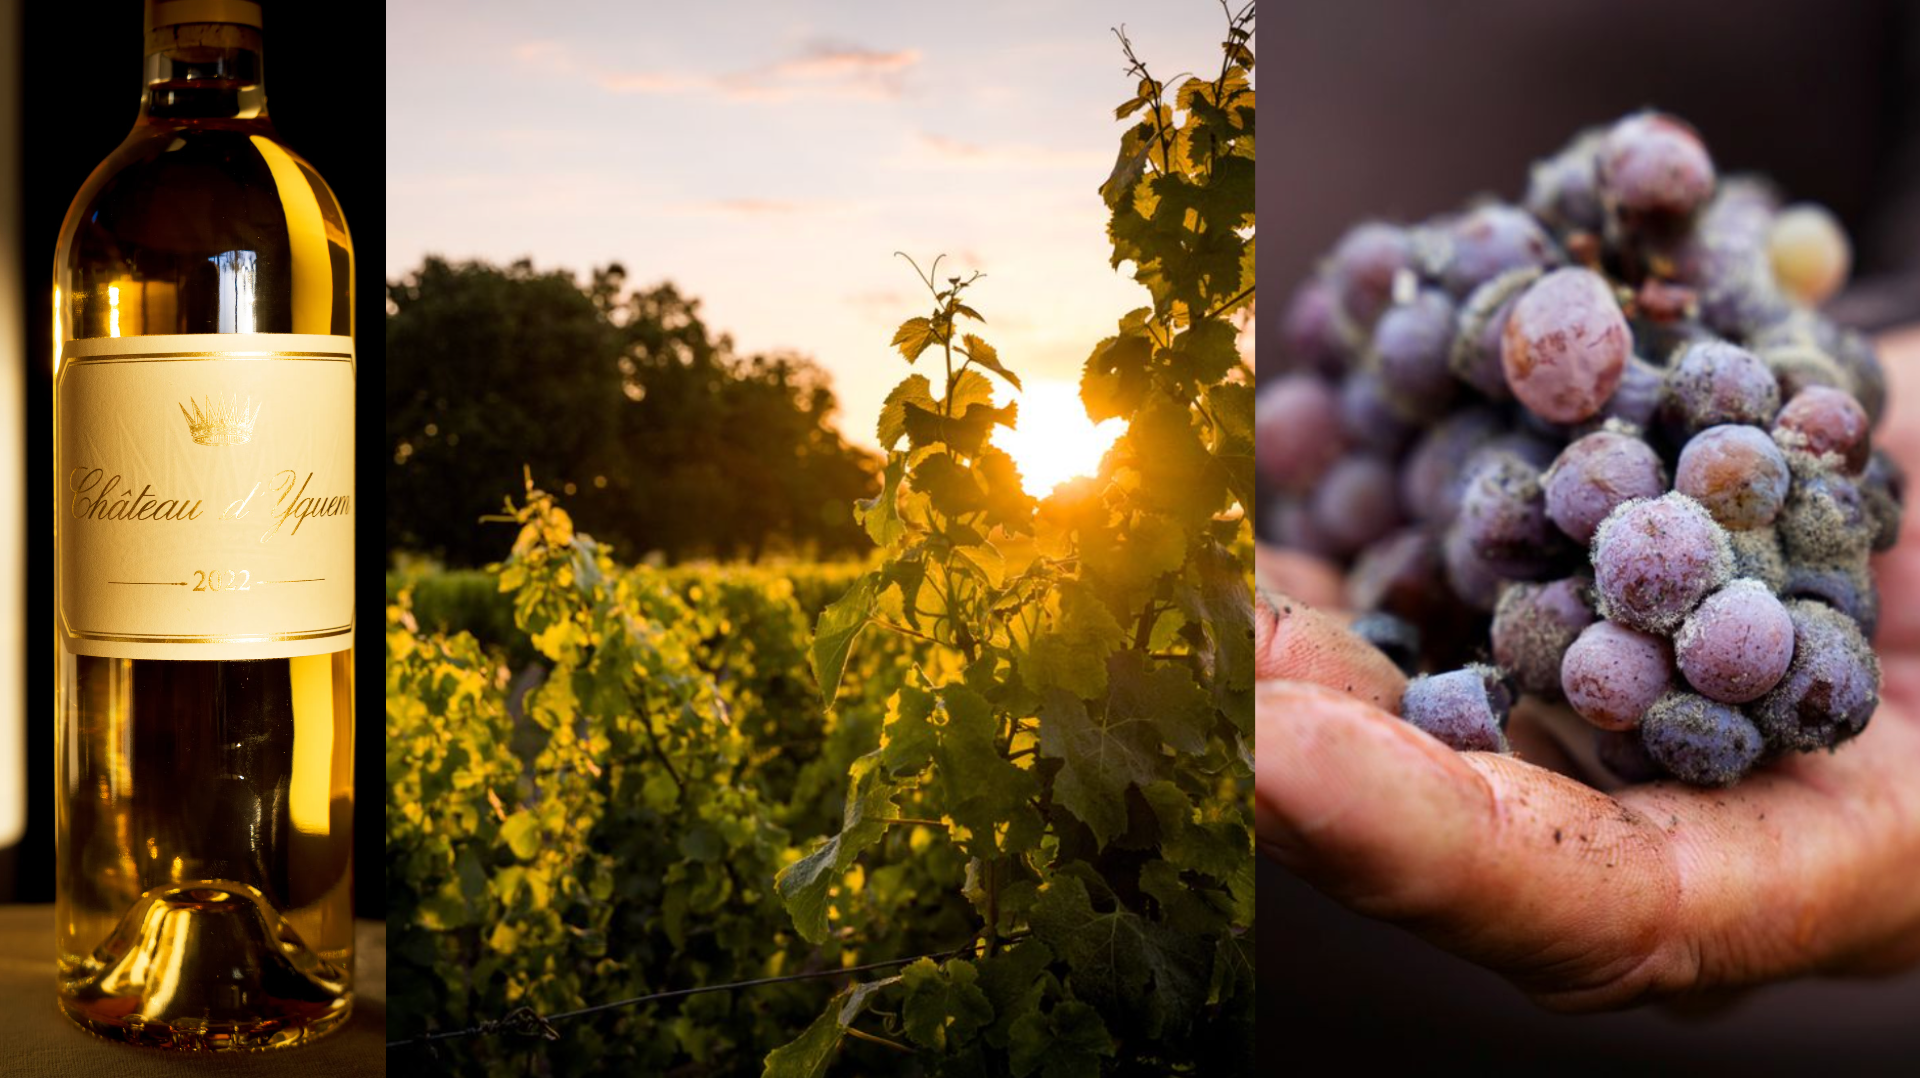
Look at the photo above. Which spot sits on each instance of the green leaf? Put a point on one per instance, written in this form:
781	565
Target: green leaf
893	414
839	624
1116	377
970	387
1071	651
950	484
521	832
977	787
984	354
1177	474
1015	982
943	1006
880	514
1125	965
1067	1042
804	885
913	337
1222	600
807	1056
965	432
1120	745
1207	351
906	741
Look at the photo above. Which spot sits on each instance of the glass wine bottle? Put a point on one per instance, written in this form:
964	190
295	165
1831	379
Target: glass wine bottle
203	420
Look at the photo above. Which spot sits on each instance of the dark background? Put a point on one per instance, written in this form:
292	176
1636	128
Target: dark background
1398	110
324	67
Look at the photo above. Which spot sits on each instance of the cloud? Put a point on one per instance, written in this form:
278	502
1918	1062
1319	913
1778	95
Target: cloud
825	69
928	151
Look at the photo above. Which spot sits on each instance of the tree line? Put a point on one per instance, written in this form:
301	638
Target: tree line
654	426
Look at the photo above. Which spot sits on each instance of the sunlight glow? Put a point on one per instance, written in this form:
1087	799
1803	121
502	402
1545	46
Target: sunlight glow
1055	441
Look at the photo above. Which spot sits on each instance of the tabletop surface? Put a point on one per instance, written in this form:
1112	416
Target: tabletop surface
36	1041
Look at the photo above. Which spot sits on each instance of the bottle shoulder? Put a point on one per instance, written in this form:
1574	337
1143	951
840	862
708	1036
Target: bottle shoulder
197	187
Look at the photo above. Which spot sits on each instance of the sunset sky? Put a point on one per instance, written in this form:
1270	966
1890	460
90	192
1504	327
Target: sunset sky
770	157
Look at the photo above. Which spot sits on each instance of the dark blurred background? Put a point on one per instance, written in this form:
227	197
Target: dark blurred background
79	92
1399	109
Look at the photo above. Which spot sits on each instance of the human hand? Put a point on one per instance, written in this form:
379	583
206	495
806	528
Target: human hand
1586	899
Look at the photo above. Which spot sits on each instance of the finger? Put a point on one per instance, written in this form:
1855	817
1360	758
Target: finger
1314	581
1298	643
1808	865
1504	862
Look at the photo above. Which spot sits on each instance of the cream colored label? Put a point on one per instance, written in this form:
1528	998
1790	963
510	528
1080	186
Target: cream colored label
204	496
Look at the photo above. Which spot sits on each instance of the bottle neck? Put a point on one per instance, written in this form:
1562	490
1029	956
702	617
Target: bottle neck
203	71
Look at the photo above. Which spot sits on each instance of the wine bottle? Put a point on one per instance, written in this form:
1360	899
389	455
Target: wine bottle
203	520
13	731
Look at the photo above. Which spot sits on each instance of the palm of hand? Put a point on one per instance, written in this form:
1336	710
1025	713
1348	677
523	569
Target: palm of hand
1588	899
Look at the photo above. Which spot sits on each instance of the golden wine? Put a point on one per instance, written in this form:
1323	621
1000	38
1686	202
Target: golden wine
203	419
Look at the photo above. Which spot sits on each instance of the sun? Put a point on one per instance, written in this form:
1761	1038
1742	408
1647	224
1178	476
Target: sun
1055	440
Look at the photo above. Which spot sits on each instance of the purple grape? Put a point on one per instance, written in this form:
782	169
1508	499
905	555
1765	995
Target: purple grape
1411	344
1637	397
1503	514
1395	637
1856	355
1831	687
1714	382
1465	709
1797	367
1482	325
1368	417
1825	520
1363	266
1700	741
1611	674
1566	345
1297	433
1468	574
1597	473
1655	559
1883	491
1757	556
1820	420
1357	502
1434	475
1489	241
1564	190
1654	164
1311	330
1533	625
1736	644
1846	588
1400	574
1624	753
1291	525
1736	473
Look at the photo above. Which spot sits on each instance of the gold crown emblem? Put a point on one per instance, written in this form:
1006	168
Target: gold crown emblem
220	422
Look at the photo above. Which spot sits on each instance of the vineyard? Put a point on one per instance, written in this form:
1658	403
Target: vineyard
976	806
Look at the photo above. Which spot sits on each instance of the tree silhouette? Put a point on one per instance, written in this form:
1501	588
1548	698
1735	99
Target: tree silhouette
658	431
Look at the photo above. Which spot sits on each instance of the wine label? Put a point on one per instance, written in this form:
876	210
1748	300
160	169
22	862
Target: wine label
204	495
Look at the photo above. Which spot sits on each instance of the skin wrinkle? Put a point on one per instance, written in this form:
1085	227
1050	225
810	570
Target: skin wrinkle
1811	866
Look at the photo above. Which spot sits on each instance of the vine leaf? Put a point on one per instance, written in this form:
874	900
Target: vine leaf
1223	603
906	741
1066	1042
1072	653
893	414
987	356
1102	754
807	1056
834	634
1121	962
942	1003
522	834
880	514
914	336
1117	375
804	885
979	788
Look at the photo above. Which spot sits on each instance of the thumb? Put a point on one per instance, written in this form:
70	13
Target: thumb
1293	642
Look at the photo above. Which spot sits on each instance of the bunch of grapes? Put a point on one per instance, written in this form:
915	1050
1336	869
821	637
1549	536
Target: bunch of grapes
1599	448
